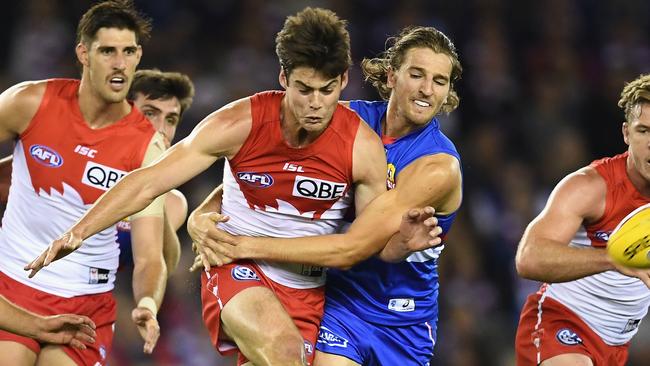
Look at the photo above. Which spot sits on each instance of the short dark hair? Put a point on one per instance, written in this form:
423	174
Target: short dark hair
155	84
375	70
315	38
120	14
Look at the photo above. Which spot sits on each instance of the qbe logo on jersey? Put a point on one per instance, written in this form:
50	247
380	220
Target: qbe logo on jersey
317	189
101	176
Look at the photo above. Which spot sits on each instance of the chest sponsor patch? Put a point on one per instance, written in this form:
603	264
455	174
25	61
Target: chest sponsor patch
317	189
326	336
101	176
98	275
568	337
46	156
401	305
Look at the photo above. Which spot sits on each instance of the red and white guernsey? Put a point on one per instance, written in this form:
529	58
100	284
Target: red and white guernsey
60	167
611	303
272	189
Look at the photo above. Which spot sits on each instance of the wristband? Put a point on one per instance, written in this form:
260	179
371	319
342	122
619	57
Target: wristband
148	302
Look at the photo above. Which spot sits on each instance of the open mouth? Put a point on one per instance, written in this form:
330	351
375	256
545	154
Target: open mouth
422	103
117	82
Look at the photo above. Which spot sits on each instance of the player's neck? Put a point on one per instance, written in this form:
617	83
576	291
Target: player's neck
638	181
97	112
395	124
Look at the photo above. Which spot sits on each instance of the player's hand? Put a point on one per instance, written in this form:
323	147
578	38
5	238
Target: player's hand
148	327
59	248
418	231
74	330
203	230
640	273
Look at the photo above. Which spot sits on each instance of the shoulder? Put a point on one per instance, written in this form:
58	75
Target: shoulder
583	192
19	103
224	131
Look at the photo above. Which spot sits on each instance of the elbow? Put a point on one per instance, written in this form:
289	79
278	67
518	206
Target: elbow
527	266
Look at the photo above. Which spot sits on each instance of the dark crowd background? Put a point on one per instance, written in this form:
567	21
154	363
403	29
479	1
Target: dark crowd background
538	100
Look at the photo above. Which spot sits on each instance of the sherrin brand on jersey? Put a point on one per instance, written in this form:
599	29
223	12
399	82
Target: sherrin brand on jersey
61	166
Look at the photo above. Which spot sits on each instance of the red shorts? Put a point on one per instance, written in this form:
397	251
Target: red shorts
547	329
305	306
99	307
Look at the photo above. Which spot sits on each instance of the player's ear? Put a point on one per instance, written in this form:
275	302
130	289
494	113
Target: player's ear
283	79
82	53
390	77
625	128
344	79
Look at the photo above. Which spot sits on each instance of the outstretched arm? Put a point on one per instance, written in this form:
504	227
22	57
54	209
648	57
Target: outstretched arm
220	134
74	330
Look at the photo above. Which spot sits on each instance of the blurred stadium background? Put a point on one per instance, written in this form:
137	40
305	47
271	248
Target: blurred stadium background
538	100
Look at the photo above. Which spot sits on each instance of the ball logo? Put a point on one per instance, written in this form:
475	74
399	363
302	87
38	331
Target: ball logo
258	180
46	156
317	189
603	235
101	176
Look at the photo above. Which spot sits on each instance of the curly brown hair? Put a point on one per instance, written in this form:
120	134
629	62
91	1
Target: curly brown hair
375	70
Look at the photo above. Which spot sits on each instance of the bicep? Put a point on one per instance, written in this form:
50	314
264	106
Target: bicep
433	180
577	198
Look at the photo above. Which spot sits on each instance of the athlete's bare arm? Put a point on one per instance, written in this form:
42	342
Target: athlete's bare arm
369	233
544	253
432	180
74	330
221	134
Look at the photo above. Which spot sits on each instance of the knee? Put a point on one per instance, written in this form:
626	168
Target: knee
284	348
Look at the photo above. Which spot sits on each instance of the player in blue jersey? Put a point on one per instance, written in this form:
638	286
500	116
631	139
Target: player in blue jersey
383	310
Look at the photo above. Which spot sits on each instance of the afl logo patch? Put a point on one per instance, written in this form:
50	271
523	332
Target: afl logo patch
46	156
242	273
568	337
258	180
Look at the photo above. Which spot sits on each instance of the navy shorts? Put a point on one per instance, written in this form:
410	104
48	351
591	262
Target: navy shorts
345	334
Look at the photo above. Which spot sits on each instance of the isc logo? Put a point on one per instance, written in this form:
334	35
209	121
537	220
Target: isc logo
256	180
317	189
101	176
46	156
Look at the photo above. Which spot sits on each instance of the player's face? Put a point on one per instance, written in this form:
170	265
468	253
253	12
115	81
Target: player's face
164	114
311	98
109	63
637	135
421	85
